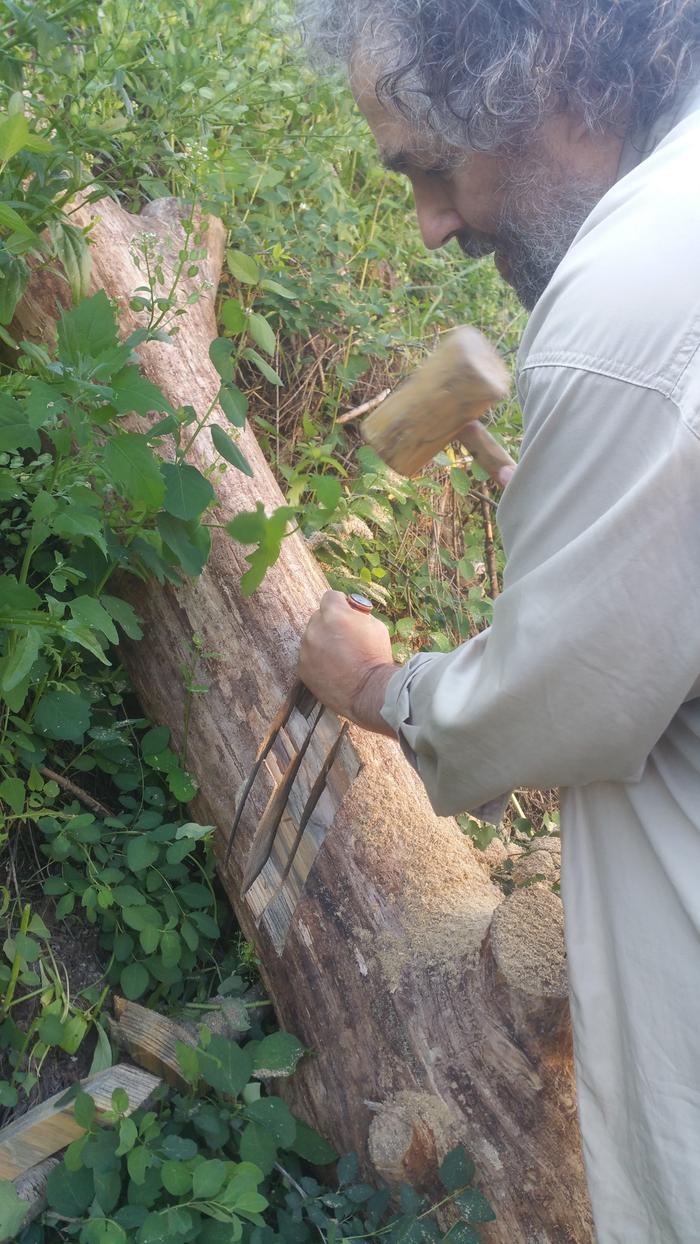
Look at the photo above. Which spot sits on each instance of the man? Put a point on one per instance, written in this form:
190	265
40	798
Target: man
564	135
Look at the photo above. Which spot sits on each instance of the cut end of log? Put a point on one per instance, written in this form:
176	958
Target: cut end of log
409	1136
527	942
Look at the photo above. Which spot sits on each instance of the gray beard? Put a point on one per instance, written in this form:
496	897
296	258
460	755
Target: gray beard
543	212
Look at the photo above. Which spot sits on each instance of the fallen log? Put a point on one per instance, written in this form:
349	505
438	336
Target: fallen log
436	1010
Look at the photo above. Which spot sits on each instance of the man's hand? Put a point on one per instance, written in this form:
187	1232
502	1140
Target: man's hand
346	661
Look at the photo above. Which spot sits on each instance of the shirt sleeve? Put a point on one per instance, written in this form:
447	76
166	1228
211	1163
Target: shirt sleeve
595	639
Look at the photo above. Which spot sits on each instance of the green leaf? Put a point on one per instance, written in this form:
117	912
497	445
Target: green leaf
264	368
460	481
274	1115
12	792
84	1109
10	219
242	267
103	1231
225	1066
460	1233
51	1030
229	450
141	853
62	715
189	542
15	430
262	333
13	1210
88	330
14	132
14	276
168	1226
275	288
177	1178
134	469
309	1144
277	1055
220	353
328	491
90	612
234	404
133	392
155	740
250	526
14	595
258	1146
123	614
134	981
17	664
72	250
474	1207
208	1178
102	1057
233	316
456	1169
69	1192
187	492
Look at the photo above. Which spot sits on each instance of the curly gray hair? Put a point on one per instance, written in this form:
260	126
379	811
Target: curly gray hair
483	73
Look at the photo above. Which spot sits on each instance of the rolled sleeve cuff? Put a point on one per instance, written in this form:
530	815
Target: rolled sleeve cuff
396	712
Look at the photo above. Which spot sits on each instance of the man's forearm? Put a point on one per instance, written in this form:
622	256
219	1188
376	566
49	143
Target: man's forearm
369	699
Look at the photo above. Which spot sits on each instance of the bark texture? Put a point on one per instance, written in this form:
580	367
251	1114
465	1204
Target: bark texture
436	1010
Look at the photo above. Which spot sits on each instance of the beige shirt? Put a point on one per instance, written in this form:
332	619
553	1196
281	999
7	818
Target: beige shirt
589	677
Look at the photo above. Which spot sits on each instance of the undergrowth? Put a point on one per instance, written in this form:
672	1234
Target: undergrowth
326	300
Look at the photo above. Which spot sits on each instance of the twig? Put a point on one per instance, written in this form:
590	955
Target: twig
481	496
489	545
365	408
93	804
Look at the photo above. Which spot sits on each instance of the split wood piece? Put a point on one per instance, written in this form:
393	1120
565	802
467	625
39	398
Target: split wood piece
52	1125
457	384
381	949
151	1039
31	1187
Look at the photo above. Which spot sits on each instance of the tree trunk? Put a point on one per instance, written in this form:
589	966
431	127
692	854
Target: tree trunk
436	1010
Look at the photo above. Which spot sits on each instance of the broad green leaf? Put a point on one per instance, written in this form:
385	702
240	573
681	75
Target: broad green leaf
134	469
262	333
233	316
275	288
258	1146
456	1169
62	715
460	481
103	1231
133	392
15	430
229	450
128	1135
141	852
102	1057
69	1192
14	131
72	250
88	330
347	1168
77	525
225	1066
90	612
220	352
134	980
473	1207
20	659
234	404
309	1144
274	1114
170	948
10	219
155	740
242	267
14	595
249	526
51	1030
14	275
189	542
187	492
13	1211
124	615
277	1055
168	1226
264	368
177	1178
208	1178
328	491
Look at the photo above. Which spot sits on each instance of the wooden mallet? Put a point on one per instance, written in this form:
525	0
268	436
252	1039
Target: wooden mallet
442	402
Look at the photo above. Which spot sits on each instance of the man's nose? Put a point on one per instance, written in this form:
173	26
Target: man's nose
437	222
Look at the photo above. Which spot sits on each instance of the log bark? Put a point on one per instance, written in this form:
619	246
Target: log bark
437	1011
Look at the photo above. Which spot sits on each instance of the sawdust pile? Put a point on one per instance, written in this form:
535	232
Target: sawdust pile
440	892
527	939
